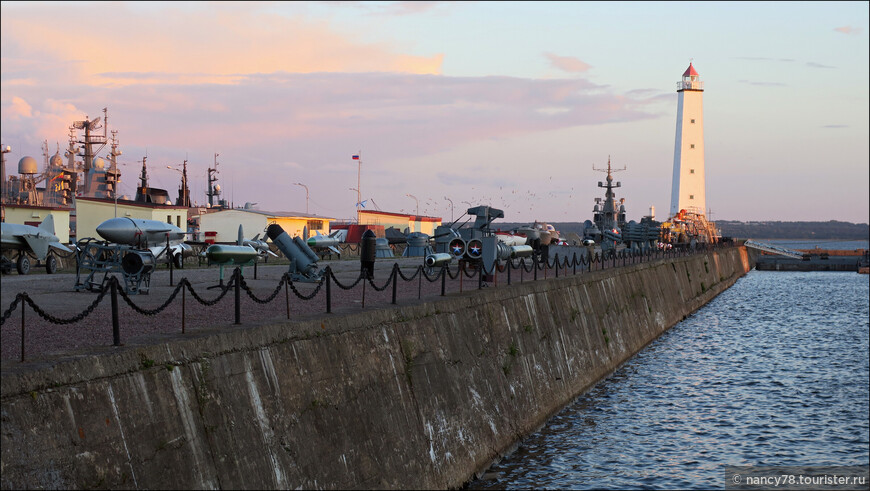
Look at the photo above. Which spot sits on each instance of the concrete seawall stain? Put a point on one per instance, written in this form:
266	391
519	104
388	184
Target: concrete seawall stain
418	396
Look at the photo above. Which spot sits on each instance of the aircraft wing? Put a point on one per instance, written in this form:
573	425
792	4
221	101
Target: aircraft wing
58	245
37	244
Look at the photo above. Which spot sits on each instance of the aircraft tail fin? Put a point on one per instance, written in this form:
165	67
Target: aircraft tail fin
48	224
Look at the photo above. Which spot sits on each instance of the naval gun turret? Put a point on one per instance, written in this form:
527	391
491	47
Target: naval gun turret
477	244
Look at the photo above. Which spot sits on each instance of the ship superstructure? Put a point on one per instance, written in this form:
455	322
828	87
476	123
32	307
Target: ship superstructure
608	215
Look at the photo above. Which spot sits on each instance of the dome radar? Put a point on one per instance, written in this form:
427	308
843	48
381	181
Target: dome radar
28	165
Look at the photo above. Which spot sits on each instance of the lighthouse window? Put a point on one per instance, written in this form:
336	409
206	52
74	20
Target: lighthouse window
691	171
692	146
693	121
691	196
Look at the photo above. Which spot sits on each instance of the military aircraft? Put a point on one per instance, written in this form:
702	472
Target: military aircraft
147	234
29	239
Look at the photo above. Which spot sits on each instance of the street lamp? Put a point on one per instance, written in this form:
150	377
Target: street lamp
451	207
306	195
415	199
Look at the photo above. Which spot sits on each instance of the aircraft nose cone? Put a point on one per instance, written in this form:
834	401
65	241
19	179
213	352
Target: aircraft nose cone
118	230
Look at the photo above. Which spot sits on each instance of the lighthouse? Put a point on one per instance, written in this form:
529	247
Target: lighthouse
688	191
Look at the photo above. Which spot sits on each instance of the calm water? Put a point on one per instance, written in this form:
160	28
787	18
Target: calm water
774	371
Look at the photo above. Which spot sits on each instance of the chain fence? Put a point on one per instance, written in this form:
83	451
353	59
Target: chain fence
486	277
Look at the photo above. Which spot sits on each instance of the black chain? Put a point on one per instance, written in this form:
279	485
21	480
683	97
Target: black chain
158	309
388	283
306	297
54	320
12	306
437	276
406	278
269	298
209	303
343	287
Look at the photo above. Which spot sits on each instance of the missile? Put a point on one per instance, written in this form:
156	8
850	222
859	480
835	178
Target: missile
138	232
324	242
146	234
230	254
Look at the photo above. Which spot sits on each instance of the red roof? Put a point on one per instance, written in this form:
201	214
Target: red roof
690	71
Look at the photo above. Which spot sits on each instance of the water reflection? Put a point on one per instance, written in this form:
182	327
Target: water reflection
774	371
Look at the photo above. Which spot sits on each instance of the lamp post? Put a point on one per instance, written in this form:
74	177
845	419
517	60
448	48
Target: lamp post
415	199
306	195
451	207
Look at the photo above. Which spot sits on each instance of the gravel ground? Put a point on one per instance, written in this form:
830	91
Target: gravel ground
55	294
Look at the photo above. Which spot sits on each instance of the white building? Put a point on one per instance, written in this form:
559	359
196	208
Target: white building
688	191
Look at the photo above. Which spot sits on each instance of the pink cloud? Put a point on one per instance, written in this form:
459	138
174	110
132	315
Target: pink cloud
189	45
567	63
849	30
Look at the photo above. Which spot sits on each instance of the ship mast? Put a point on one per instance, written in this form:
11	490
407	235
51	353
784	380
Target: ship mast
213	189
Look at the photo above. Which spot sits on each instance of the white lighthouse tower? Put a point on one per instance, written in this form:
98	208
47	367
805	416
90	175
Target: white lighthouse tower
688	191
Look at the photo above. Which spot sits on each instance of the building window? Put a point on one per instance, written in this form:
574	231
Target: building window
178	221
693	121
692	146
691	171
169	219
315	225
691	196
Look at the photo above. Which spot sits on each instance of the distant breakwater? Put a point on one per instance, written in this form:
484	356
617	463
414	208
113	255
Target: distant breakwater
420	396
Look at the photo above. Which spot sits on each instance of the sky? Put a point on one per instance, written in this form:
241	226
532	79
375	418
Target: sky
454	104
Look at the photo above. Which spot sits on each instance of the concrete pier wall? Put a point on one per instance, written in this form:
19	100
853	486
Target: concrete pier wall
419	396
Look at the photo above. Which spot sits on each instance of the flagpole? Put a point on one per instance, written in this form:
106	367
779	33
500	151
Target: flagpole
358	192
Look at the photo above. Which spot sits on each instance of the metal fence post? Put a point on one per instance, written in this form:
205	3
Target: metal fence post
237	274
420	282
395	280
116	329
535	266
286	293
444	279
183	295
328	290
510	266
22	329
169	257
365	278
